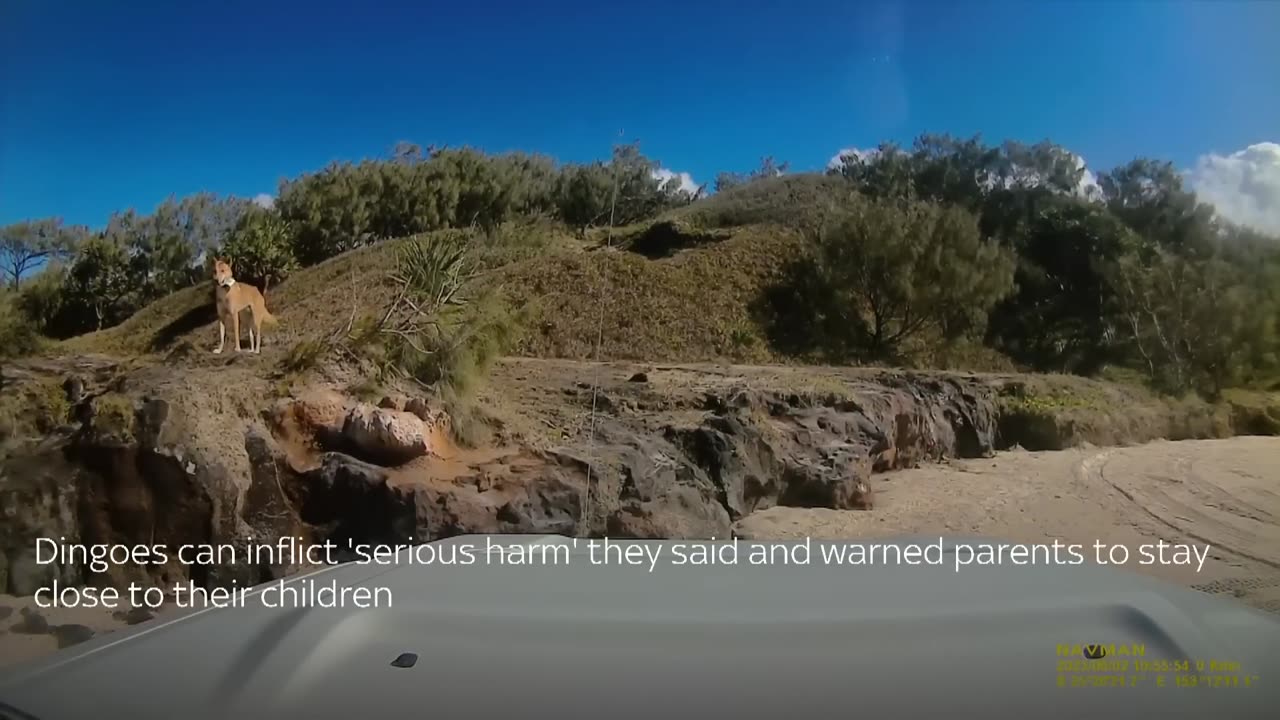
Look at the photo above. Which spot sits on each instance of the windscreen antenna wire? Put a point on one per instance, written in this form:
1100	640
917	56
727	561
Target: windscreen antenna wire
584	523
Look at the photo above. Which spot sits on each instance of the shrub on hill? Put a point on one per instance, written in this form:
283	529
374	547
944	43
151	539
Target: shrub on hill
259	249
798	201
880	274
19	336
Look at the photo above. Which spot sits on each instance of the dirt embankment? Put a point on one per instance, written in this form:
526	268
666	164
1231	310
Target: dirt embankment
218	451
218	454
167	455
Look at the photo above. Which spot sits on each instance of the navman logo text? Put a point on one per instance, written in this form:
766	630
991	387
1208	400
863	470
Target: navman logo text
1097	652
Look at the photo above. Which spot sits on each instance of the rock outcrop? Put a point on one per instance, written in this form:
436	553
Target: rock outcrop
38	498
385	435
150	461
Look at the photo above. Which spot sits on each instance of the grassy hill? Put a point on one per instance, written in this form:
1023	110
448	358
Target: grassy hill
683	287
677	288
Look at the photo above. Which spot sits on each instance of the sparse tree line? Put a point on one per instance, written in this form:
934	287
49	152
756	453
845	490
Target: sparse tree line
947	240
91	280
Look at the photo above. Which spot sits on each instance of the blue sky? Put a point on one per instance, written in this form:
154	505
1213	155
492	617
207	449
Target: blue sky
106	106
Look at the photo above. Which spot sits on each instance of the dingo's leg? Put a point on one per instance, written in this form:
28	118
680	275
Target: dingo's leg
251	339
222	337
235	329
257	323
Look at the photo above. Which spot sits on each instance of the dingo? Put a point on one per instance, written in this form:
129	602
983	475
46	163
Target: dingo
232	298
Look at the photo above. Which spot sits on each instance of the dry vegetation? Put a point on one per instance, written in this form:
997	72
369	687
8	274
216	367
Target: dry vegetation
559	277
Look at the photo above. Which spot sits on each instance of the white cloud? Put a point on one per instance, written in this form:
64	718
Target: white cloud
1088	187
687	185
264	200
1244	187
864	155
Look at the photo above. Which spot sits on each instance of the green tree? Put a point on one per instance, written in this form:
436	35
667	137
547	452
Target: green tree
1058	319
884	272
348	205
887	172
769	168
727	181
19	335
42	302
584	194
406	152
165	248
949	170
1150	197
25	245
1195	323
640	194
331	210
261	249
100	287
1041	166
529	184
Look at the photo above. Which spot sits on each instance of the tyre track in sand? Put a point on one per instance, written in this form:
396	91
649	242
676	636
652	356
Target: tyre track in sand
1188	502
1220	493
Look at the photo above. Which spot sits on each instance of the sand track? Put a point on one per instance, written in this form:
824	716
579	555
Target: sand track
1223	493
